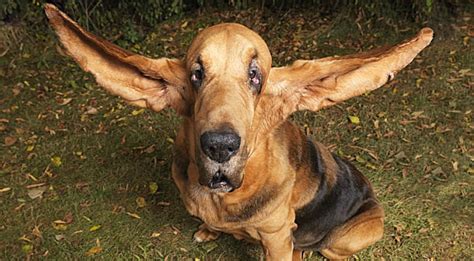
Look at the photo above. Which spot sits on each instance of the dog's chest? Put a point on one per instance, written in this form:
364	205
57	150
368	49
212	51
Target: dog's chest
242	219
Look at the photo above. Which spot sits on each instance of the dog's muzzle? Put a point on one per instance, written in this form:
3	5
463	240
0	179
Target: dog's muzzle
219	148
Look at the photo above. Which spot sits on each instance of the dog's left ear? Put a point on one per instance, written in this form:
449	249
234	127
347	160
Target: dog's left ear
315	84
141	81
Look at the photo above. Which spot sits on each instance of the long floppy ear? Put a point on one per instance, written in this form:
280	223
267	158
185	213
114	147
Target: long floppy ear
141	81
315	84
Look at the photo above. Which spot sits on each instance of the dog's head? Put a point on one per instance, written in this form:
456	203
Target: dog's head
227	88
228	65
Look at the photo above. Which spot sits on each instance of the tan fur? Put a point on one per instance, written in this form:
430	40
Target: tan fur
272	167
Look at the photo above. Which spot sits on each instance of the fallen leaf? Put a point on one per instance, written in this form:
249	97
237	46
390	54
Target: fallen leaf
91	111
133	215
95	227
175	230
5	189
405	122
437	171
141	202
464	72
360	159
416	114
10	140
77	232
465	40
35	185
37	192
19	207
153	186
418	82
24	238
423	230
454	163
36	232
404	173
16	91
210	246
150	149
30	148
354	119
68	218
155	234
59	237
65	101
59	226
137	112
56	160
400	155
27	248
94	250
81	185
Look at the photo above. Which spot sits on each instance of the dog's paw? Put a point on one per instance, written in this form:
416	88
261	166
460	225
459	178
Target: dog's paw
205	234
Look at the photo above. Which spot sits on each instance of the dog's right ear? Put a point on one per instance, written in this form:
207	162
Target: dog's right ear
141	81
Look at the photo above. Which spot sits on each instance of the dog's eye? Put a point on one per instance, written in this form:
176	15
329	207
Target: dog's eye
255	77
197	74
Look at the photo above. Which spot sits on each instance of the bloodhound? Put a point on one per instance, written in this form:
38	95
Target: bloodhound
239	164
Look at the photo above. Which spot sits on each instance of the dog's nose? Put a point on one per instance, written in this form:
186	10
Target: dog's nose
220	146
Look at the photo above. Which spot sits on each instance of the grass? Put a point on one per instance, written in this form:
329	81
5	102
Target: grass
99	159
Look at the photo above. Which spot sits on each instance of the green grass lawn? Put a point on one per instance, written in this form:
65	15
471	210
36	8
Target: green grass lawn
83	174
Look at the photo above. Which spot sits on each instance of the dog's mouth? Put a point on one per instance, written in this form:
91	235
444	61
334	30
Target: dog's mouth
220	183
221	177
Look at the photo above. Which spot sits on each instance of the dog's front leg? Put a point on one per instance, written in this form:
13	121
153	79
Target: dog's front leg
278	245
205	234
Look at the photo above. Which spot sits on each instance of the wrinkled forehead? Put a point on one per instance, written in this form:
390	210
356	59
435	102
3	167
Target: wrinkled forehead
221	43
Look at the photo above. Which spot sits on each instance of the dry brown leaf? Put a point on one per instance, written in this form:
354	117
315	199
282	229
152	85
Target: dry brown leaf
37	192
59	237
133	215
404	173
91	111
68	218
9	140
16	90
149	149
437	171
35	185
5	189
65	101
36	232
